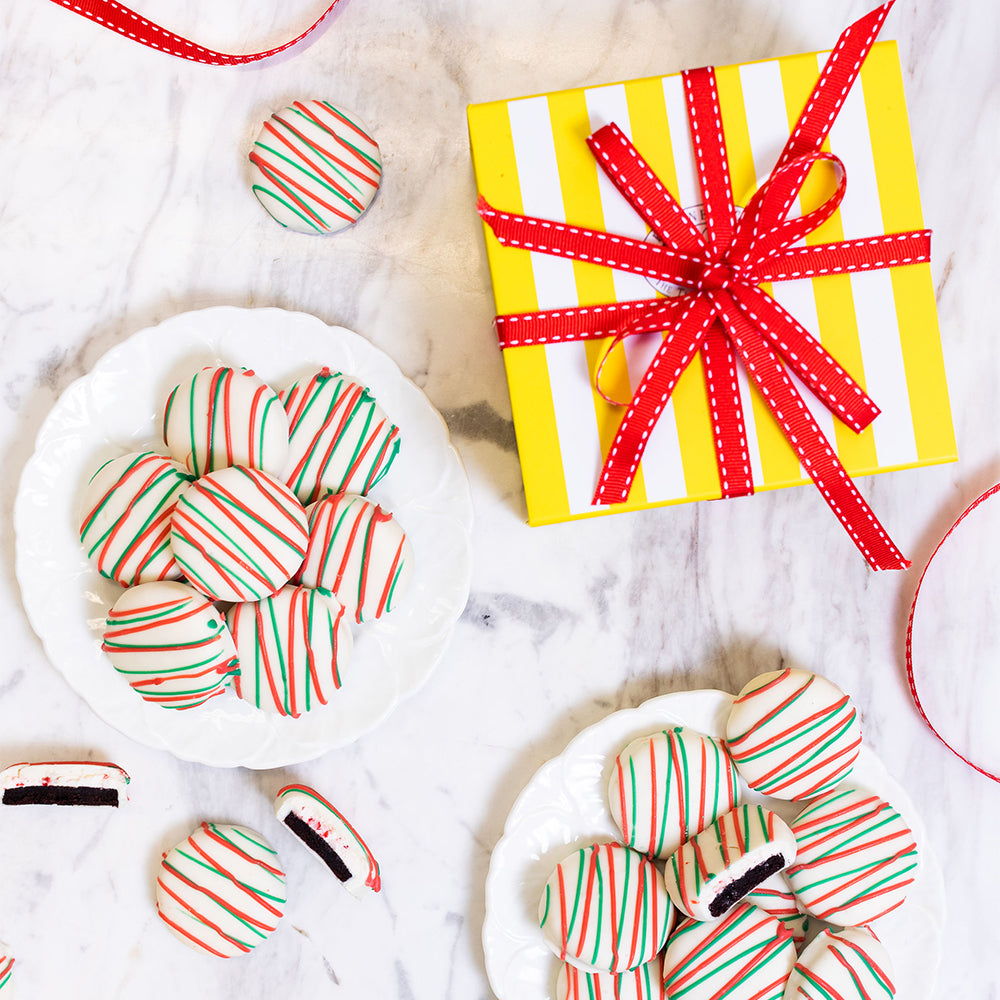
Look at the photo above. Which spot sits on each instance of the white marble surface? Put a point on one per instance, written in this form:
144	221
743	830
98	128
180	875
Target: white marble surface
123	202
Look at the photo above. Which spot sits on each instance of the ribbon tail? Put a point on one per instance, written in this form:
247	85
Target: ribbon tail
732	455
578	243
806	438
839	73
642	189
847	257
554	326
649	400
808	358
127	22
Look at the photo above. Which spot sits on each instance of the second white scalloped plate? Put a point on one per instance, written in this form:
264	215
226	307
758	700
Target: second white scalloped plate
116	408
564	806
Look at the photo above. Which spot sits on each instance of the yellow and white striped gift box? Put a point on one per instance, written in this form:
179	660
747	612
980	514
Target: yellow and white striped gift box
530	157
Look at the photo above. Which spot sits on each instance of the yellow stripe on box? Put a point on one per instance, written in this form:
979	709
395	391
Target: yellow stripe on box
913	286
594	284
514	291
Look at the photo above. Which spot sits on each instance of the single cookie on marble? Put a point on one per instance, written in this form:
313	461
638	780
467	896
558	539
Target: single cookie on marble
360	553
775	896
793	734
604	909
125	528
221	891
849	962
225	416
643	983
238	534
669	786
339	438
856	857
171	644
324	830
715	869
6	965
293	649
64	783
748	953
315	167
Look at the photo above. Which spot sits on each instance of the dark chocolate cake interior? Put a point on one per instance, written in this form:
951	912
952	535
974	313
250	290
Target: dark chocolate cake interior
59	795
749	881
312	839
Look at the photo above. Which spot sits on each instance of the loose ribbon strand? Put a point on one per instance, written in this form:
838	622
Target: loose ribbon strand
910	674
124	20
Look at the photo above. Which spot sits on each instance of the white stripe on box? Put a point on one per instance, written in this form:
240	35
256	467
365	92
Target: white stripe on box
874	303
572	399
767	127
662	468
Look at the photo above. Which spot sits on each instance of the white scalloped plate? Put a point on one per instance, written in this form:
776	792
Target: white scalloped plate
116	408
564	806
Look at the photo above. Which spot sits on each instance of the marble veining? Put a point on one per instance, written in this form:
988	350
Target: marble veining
124	201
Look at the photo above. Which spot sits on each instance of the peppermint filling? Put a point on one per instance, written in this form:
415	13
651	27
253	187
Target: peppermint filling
313	840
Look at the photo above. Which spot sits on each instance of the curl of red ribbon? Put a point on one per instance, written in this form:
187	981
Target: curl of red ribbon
124	20
724	313
910	674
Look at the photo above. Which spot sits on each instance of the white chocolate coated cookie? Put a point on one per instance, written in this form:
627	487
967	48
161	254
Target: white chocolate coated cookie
339	438
315	167
221	891
856	857
327	832
604	909
225	416
293	649
793	734
238	534
643	983
714	870
170	644
668	786
847	963
360	553
125	527
748	953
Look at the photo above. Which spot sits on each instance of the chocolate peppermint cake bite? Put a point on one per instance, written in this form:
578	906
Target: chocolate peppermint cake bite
325	831
64	783
713	871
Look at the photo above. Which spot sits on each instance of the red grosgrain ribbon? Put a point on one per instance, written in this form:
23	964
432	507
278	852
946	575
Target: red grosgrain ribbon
724	313
127	22
909	632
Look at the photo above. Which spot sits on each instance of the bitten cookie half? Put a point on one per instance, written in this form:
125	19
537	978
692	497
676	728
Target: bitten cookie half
324	830
64	783
713	871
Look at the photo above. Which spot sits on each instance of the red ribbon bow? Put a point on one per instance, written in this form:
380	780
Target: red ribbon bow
724	313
